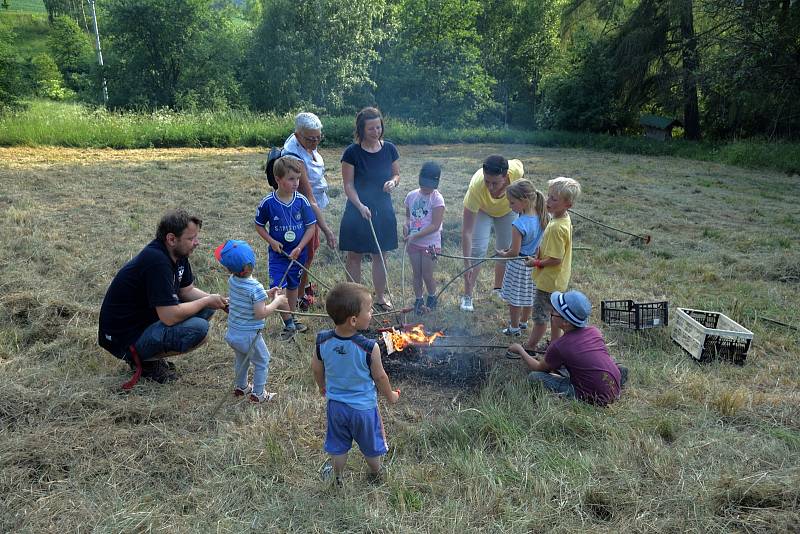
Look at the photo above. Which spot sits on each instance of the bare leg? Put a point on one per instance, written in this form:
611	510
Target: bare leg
374	463
526	314
470	279
537	332
499	271
514	312
379	278
426	264
555	332
339	462
291	296
416	269
354	266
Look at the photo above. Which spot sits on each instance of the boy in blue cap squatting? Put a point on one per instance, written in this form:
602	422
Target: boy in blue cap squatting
247	309
577	364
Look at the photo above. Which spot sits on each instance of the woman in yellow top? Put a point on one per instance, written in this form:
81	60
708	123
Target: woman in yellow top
486	205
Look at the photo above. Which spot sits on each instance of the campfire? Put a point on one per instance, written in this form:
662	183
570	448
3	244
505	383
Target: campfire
409	353
397	340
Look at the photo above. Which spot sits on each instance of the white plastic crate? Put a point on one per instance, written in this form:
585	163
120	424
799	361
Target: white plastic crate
708	335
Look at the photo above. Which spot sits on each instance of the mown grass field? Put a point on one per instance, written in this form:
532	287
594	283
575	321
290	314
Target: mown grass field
710	448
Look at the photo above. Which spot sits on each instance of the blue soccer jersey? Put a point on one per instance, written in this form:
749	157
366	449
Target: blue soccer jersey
286	222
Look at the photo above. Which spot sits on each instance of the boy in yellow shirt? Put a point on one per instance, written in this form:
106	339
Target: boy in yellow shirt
553	261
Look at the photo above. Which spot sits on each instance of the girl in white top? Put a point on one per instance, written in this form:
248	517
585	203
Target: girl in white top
423	230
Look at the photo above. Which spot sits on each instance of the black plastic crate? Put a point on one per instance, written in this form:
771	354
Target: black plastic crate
635	315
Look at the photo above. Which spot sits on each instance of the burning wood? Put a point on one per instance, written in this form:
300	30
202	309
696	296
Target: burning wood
398	340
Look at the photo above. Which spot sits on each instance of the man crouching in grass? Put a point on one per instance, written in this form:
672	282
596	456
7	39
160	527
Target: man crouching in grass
580	360
152	308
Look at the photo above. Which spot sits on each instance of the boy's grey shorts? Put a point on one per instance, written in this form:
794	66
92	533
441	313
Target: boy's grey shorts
542	307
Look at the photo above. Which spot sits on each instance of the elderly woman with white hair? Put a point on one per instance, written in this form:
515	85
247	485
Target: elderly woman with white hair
303	143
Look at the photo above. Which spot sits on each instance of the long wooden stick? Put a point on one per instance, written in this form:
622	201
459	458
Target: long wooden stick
646	237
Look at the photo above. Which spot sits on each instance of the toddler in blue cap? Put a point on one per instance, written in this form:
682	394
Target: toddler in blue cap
247	309
577	364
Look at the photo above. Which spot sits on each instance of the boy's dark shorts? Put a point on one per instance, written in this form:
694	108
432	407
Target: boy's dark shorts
541	307
346	424
279	264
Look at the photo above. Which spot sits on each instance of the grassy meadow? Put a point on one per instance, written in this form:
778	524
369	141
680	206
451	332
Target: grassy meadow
709	448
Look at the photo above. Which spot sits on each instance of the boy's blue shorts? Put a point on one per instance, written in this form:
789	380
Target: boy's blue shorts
346	424
277	268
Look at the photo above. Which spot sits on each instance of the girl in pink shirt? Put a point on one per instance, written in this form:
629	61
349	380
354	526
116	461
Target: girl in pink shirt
422	230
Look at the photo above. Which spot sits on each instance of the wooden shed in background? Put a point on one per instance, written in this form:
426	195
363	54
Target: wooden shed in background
657	127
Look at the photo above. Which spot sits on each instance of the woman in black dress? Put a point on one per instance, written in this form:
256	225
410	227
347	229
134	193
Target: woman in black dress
370	172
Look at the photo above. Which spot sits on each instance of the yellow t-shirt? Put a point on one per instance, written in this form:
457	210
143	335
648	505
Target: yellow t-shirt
556	243
479	199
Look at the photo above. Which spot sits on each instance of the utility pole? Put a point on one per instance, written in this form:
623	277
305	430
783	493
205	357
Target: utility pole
99	52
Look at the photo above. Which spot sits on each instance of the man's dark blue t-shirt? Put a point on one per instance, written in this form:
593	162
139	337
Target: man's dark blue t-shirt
150	279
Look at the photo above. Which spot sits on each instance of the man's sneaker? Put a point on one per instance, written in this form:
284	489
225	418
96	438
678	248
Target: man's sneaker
241	392
523	326
158	371
327	476
431	302
497	292
466	304
299	327
419	306
266	396
511	331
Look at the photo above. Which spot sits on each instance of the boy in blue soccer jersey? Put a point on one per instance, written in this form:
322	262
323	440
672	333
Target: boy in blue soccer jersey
284	219
347	369
247	308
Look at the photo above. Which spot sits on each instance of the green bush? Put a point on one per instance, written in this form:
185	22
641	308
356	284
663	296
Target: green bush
47	79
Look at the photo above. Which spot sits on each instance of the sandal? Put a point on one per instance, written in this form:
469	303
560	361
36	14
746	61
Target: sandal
383	306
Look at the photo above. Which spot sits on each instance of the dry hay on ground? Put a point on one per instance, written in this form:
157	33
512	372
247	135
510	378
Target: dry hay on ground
688	448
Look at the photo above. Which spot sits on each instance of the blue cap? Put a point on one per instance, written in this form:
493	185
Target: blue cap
573	306
235	255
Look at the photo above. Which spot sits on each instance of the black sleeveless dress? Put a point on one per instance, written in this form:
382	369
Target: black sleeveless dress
371	171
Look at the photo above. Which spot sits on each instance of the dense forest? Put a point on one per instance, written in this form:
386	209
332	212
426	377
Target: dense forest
724	68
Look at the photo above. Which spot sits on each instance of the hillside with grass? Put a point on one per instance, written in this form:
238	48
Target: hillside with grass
689	447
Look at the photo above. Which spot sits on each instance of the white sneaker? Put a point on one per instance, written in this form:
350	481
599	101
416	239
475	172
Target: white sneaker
466	304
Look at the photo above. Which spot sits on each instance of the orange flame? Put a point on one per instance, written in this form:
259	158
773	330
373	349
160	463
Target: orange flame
415	336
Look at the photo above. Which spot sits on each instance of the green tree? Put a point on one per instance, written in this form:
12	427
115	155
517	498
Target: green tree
431	69
750	83
47	78
314	52
9	70
70	8
519	41
169	52
70	46
579	93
